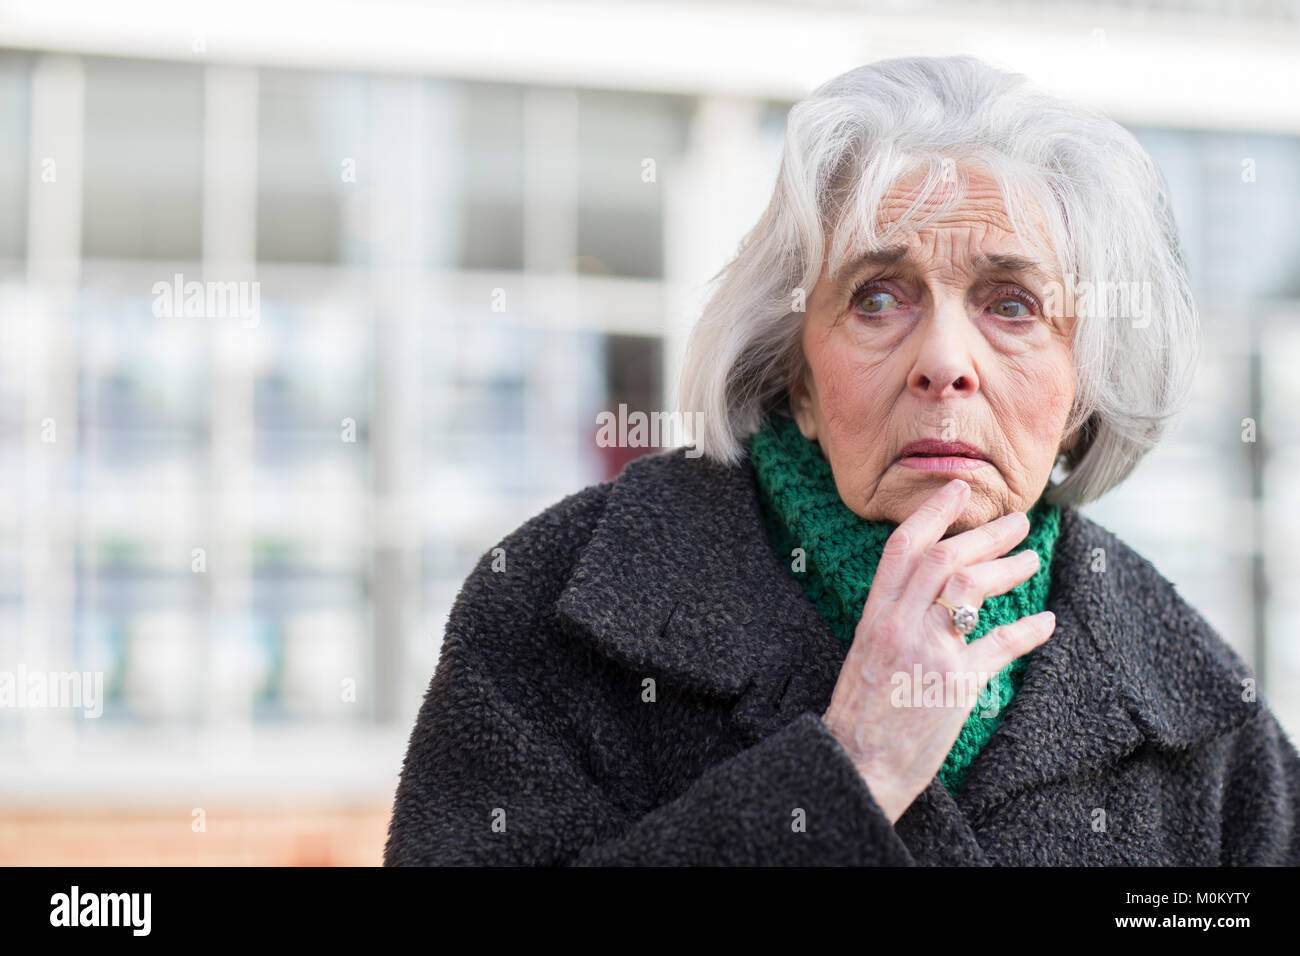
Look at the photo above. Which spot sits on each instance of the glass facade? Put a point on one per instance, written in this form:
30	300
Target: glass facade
260	513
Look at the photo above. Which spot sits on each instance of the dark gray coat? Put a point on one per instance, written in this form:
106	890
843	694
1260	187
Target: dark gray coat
1129	742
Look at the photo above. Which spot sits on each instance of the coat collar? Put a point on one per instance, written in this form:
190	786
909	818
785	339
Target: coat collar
679	582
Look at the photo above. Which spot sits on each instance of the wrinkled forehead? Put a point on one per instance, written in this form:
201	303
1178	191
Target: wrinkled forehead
978	202
941	200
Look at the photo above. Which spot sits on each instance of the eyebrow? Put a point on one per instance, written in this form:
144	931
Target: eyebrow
1010	262
885	256
996	261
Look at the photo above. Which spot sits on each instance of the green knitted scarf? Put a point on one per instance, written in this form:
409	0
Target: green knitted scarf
840	550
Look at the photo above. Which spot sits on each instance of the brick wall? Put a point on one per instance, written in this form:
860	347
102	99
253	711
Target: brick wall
281	837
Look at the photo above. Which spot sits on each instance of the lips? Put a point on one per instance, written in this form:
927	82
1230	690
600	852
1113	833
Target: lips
930	448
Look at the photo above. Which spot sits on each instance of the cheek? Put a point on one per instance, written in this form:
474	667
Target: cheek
852	392
1032	400
1055	388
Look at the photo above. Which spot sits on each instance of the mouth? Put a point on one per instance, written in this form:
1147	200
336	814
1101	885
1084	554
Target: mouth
944	457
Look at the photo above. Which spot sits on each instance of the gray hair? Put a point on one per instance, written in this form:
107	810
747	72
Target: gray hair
1106	211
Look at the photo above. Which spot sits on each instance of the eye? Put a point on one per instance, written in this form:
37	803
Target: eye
1007	306
1015	304
874	300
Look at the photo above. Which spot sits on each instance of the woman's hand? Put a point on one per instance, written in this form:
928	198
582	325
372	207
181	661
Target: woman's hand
899	749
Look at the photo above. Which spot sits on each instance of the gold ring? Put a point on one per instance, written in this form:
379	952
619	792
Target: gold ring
964	617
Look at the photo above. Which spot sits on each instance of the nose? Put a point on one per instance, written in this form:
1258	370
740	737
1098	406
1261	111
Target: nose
944	366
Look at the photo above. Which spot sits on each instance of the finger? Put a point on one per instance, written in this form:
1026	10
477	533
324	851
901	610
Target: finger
913	536
979	582
975	584
952	555
1002	645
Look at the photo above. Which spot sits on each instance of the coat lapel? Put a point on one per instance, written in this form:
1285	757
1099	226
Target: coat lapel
679	582
1130	663
1068	716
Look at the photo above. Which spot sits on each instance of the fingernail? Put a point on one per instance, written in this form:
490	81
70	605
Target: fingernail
955	487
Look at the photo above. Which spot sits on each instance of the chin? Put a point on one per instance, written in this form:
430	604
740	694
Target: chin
960	525
978	511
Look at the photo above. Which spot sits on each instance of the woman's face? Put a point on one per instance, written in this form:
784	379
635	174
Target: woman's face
940	343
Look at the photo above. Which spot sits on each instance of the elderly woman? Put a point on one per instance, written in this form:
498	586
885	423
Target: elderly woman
867	625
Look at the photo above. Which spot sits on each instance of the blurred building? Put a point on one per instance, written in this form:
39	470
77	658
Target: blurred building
425	247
